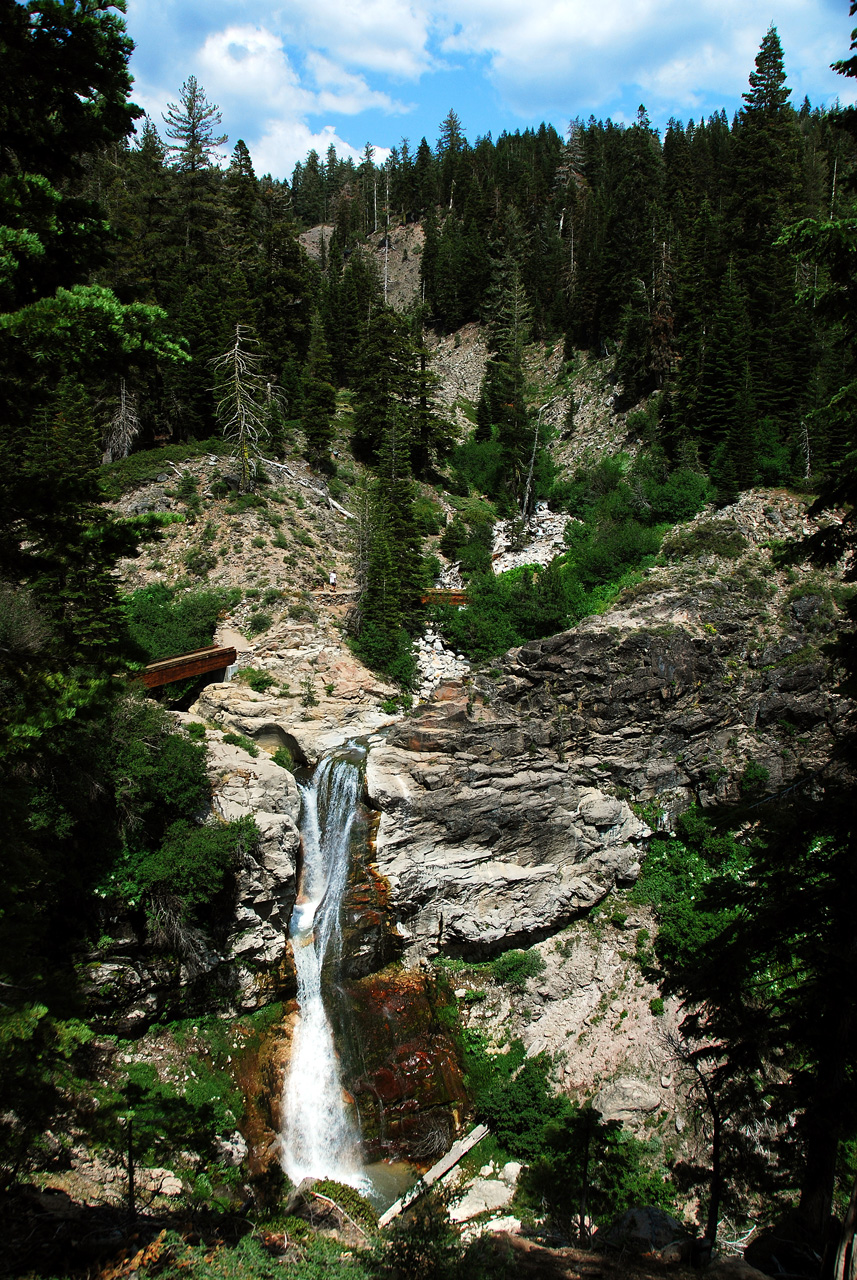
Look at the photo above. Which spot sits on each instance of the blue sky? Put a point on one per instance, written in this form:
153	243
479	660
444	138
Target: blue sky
305	73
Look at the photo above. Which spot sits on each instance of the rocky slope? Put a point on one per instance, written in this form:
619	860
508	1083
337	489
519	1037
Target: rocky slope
514	798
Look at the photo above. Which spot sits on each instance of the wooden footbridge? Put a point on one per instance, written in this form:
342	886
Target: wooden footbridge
198	663
438	596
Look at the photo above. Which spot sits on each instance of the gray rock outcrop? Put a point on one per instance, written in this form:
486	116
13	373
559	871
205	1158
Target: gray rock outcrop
627	1099
505	806
253	786
481	856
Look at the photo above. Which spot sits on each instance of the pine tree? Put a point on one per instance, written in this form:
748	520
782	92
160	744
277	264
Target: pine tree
319	399
192	123
384	384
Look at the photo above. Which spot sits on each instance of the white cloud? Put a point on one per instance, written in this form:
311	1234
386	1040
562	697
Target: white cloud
386	36
341	90
284	142
288	72
251	63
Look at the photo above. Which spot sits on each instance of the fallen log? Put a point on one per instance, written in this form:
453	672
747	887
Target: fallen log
447	1162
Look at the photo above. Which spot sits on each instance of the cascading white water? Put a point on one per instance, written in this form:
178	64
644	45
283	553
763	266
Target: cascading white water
319	1138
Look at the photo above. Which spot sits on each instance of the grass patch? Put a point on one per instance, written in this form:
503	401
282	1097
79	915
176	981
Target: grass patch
239	740
143	468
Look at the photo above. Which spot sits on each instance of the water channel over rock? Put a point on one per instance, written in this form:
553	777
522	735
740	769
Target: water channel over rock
373	1084
320	1137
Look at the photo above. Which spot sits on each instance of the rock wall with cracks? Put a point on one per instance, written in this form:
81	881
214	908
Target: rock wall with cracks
506	804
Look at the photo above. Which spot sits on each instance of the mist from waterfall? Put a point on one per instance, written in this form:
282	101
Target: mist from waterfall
319	1137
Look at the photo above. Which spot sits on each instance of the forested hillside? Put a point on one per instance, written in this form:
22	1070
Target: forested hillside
157	308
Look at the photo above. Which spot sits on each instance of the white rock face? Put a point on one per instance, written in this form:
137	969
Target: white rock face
626	1099
308	733
483	1195
437	664
245	785
544	538
479	855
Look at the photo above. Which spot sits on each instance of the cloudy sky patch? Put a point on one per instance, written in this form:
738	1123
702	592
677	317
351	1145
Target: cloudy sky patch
308	73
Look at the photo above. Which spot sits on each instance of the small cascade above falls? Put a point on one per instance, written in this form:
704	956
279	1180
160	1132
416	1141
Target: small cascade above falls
319	1136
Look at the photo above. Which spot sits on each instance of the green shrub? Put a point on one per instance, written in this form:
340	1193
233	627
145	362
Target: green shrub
707	538
308	694
355	1205
513	968
428	516
388	649
163	621
145	466
302	612
241	503
595	1166
513	1094
199	561
479	464
258	621
193	861
161	774
753	778
656	1005
239	740
258	680
283	757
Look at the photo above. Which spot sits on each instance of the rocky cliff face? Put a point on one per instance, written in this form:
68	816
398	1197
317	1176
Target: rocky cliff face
506	802
509	804
505	805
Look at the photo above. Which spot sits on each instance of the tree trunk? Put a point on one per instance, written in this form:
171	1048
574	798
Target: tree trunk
845	1264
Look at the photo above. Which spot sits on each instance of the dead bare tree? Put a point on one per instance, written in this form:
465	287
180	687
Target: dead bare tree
245	403
124	426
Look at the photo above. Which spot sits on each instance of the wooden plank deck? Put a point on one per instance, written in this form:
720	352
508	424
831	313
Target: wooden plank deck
213	657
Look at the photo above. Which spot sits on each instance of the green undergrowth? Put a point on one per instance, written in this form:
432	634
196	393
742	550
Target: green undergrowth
621	511
164	621
570	1153
255	1256
143	468
511	968
356	1206
242	741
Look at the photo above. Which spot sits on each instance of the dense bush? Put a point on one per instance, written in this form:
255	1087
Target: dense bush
428	516
144	467
161	783
257	679
676	871
707	538
479	464
591	1171
387	649
513	968
163	622
513	1094
159	774
620	508
190	865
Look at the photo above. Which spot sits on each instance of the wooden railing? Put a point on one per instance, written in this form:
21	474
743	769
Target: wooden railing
213	658
438	596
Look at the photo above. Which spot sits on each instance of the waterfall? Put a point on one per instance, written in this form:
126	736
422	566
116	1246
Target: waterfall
319	1138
